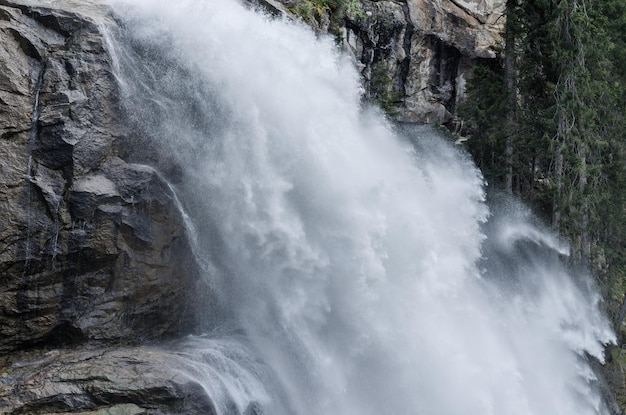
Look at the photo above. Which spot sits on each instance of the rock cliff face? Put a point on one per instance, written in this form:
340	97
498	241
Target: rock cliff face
93	249
449	36
112	381
87	241
416	55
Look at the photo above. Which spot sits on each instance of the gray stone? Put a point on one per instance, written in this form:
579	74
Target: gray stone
92	248
416	55
115	381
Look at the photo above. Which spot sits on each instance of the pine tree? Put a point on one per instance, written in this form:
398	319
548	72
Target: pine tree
560	90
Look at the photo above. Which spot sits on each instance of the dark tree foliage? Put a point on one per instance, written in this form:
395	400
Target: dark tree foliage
553	118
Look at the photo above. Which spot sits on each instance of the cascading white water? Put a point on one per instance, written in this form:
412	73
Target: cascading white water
355	259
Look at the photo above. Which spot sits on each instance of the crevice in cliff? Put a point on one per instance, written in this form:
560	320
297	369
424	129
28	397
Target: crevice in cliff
446	61
10	134
5	15
405	66
65	334
367	54
25	44
33	135
36	111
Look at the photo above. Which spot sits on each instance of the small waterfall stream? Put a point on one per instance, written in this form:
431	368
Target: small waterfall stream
361	267
30	170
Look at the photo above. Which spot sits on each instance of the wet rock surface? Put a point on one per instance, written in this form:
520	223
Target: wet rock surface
112	381
92	248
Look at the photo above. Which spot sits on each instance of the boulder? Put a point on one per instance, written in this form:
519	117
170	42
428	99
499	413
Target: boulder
113	381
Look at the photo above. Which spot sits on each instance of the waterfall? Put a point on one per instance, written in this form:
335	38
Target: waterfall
359	265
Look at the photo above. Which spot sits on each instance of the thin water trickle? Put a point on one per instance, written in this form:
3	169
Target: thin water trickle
30	174
362	265
57	230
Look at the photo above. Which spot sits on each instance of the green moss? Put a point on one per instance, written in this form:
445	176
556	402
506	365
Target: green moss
354	10
311	11
305	10
383	92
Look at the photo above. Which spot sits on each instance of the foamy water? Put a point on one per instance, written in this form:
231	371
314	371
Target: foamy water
352	258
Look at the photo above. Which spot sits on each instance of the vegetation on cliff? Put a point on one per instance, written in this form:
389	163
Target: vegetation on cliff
326	15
